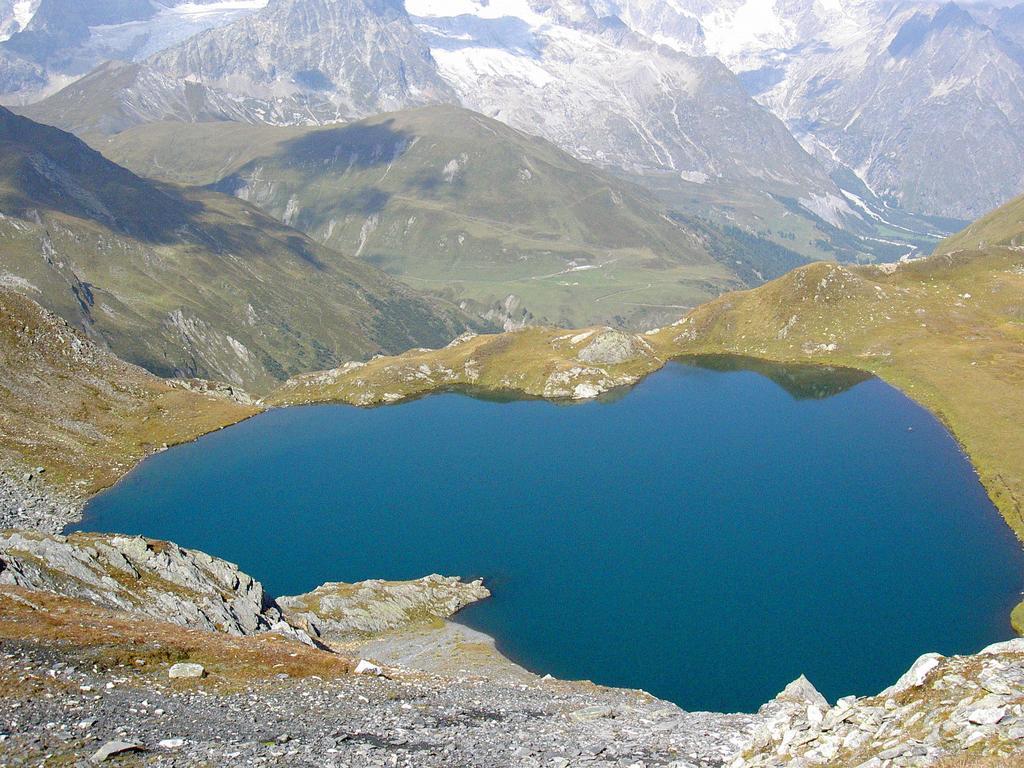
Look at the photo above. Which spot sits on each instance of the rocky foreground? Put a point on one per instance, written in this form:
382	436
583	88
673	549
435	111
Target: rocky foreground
125	649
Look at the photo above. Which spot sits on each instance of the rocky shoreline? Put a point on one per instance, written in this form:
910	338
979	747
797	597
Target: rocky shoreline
28	502
119	645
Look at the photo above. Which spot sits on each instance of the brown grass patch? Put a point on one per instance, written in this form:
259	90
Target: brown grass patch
111	639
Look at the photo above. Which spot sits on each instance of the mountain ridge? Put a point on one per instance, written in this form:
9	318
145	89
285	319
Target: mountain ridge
629	102
467	207
879	90
188	281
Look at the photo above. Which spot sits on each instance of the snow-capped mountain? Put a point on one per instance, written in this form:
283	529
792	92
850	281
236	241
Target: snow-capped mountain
608	94
922	101
46	43
559	69
929	114
15	16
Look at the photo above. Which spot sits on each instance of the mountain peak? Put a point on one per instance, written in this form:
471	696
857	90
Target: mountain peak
952	15
356	57
919	27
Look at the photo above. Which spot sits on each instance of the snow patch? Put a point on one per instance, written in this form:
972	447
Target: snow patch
754	25
473	64
208	9
23	11
828	207
482	9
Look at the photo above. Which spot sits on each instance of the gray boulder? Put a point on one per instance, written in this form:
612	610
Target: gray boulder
185	670
112	748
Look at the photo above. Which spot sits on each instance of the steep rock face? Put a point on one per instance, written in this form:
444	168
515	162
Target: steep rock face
609	94
895	107
158	579
44	42
883	90
343	58
117	95
337	611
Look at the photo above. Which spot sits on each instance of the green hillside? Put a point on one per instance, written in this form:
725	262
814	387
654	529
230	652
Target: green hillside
1003	227
466	208
112	413
185	281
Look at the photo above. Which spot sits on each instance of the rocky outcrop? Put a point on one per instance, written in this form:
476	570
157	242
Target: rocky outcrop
158	579
27	501
941	707
337	611
613	347
584	382
338	58
192	589
216	389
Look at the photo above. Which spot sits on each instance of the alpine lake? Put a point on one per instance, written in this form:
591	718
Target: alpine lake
707	536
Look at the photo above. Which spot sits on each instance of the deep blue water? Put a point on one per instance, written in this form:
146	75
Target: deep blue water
707	537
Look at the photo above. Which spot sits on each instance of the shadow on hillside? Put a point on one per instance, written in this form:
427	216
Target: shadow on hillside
43	168
364	202
335	151
347	147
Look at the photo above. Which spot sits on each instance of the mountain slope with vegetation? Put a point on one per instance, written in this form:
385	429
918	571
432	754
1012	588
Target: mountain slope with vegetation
85	417
189	282
465	207
1002	228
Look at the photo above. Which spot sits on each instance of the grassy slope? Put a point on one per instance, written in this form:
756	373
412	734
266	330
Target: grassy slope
458	204
1002	227
84	415
537	362
190	281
